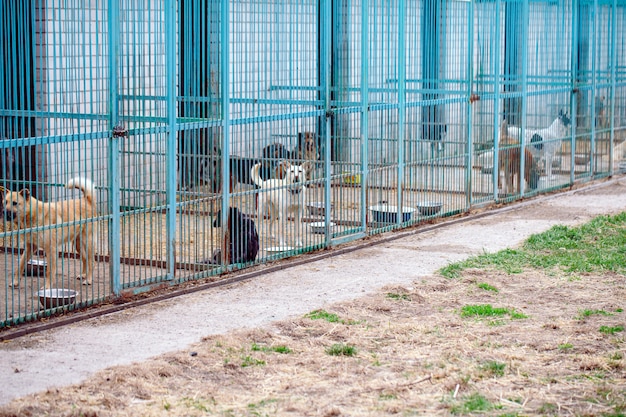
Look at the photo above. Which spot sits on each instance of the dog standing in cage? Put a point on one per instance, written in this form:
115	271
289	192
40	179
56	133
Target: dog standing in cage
547	141
280	197
27	212
509	163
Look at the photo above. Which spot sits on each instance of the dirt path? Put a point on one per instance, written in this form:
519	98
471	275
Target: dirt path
72	353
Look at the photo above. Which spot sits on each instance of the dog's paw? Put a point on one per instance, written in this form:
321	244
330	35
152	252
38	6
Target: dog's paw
84	280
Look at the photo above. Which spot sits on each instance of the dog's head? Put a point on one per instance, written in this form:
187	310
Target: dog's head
16	204
281	169
307	146
295	175
275	151
564	119
233	213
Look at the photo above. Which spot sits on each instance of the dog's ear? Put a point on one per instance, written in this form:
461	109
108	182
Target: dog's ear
25	193
504	126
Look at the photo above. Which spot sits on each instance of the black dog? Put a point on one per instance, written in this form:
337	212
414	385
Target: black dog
242	239
240	167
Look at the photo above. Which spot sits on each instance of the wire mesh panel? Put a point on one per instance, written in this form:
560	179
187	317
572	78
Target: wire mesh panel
53	127
148	143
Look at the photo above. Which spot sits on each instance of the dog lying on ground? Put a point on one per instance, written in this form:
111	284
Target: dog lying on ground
281	196
509	163
547	141
241	242
28	212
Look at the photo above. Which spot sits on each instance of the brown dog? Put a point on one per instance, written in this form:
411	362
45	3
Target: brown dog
28	212
306	153
509	162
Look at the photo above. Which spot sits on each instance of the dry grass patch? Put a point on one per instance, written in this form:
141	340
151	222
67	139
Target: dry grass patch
414	354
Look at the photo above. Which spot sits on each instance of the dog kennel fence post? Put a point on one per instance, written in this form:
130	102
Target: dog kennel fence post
613	58
225	84
401	105
116	128
170	152
364	110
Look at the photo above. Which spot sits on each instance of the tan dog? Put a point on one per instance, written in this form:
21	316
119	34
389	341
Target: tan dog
281	196
28	212
509	162
306	152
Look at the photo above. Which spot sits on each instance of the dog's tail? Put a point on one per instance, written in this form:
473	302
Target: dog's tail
86	186
256	176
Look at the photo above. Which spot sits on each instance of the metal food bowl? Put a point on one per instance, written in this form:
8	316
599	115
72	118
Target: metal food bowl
384	213
35	267
56	297
429	208
320	227
318	208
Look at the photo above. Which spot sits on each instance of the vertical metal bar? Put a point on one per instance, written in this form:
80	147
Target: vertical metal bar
170	150
114	146
401	103
496	104
225	99
525	24
365	45
593	14
613	57
574	88
325	43
470	105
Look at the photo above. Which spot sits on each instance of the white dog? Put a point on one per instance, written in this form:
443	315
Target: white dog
281	196
547	141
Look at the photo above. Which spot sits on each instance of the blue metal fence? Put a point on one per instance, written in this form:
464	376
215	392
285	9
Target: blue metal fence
393	108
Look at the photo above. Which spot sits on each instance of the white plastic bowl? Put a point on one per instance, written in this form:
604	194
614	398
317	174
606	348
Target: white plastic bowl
384	213
429	208
320	227
56	297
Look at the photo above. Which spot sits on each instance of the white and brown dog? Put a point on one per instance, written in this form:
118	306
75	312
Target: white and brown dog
280	197
27	212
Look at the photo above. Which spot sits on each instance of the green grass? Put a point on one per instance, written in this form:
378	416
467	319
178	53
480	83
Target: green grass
474	403
329	317
611	329
565	347
588	313
250	361
597	246
493	368
488	311
339	349
395	296
487	287
276	349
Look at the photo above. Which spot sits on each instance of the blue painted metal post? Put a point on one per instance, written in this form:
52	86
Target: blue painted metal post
225	90
325	44
497	86
613	57
114	179
470	106
170	153
525	20
574	84
592	151
365	45
401	103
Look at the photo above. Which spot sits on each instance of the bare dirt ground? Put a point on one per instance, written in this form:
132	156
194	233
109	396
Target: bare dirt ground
249	349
